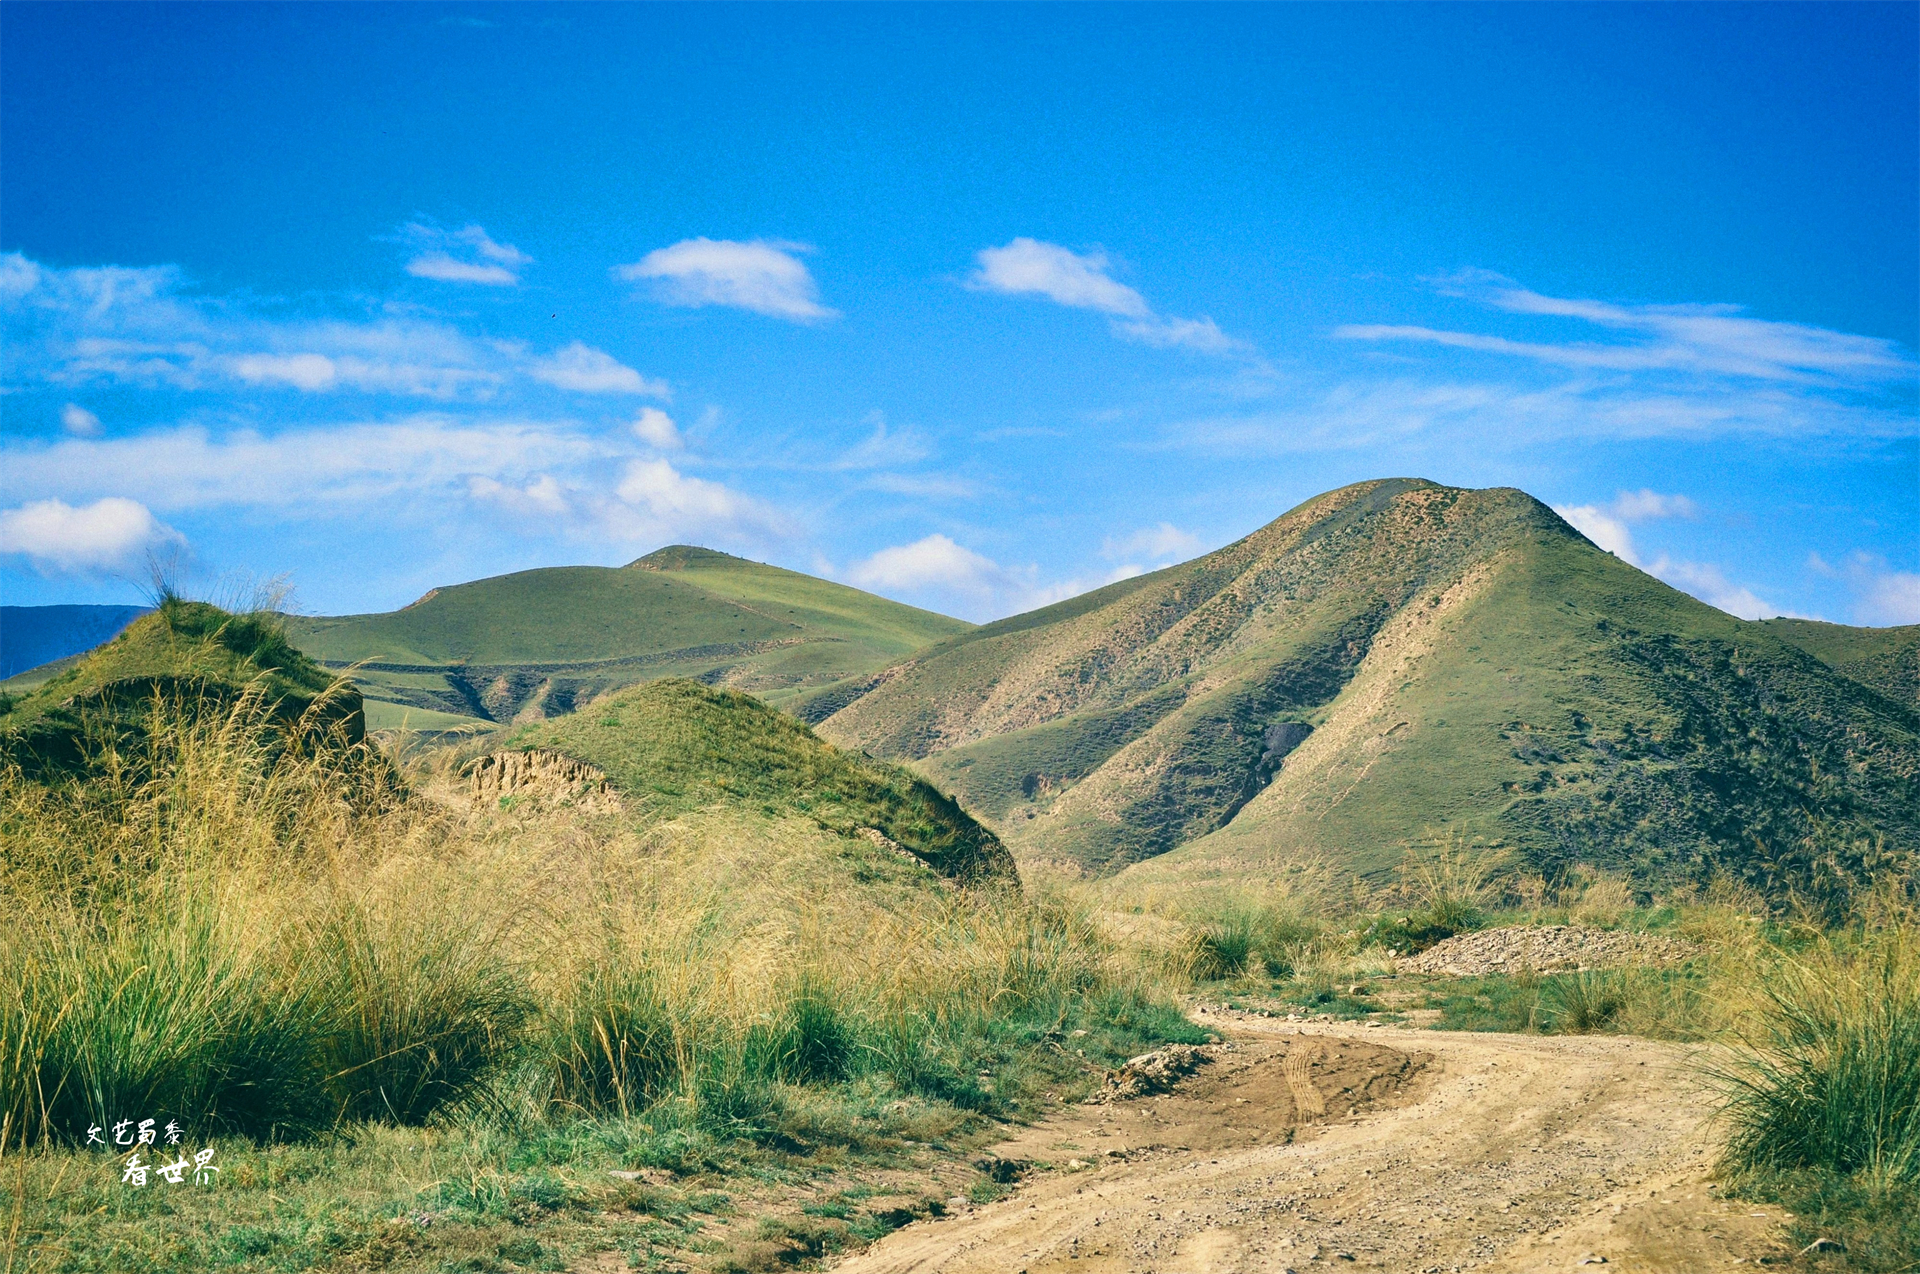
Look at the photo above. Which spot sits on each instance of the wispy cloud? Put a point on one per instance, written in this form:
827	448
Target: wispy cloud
1081	280
1881	595
145	328
1713	339
1159	543
656	428
884	448
925	486
584	370
1609	527
466	255
762	275
109	536
80	422
1505	416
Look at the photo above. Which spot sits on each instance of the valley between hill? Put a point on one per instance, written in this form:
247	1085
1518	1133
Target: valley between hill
1501	1153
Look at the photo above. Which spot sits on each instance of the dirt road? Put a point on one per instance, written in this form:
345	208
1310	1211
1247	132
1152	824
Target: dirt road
1310	1146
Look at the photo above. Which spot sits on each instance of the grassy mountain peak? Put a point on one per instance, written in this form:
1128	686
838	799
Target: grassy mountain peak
1391	660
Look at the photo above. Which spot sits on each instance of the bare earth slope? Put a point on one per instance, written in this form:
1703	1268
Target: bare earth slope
1389	658
1500	1153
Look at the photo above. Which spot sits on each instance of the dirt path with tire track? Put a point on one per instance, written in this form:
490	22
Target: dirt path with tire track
1334	1146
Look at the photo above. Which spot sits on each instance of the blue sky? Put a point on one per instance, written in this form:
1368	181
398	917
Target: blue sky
972	306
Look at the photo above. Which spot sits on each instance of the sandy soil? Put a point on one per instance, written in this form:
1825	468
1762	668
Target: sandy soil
1310	1146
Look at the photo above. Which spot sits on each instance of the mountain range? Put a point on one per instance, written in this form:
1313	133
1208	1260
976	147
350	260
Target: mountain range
1388	664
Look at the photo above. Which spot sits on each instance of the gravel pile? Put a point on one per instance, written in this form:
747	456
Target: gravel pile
1545	948
1154	1072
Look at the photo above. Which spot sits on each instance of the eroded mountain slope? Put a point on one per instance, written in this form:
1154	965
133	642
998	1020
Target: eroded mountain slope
1388	659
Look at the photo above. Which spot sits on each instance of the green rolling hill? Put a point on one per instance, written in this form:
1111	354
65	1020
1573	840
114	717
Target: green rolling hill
537	643
1397	658
675	749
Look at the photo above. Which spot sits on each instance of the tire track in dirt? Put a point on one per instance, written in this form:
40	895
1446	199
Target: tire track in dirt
1431	1152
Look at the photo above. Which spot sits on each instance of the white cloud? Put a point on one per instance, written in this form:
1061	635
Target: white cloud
302	371
542	496
1493	417
446	269
139	327
467	255
335	466
585	370
1608	528
1709	340
548	477
1154	543
1603	528
1881	596
1607	525
1890	597
933	562
1641	505
942	572
762	275
1059	274
655	428
656	500
1081	281
1710	585
1201	334
109	535
80	422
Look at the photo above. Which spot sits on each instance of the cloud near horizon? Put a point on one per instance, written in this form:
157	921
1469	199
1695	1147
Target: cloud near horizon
936	568
763	276
1608	526
1881	596
110	536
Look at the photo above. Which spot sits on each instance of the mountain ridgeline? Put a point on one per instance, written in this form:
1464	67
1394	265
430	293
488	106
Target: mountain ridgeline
1397	659
536	644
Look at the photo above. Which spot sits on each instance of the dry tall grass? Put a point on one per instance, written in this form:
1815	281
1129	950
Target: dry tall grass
252	939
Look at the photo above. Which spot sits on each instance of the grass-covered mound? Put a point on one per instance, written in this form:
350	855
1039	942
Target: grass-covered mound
190	655
675	747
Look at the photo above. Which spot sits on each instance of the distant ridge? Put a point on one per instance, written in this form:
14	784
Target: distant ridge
34	635
539	643
1399	658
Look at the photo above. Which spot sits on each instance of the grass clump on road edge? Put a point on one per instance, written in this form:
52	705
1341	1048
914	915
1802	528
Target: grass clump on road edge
1822	1091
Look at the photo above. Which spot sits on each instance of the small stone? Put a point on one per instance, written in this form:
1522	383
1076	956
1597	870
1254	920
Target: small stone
1591	1258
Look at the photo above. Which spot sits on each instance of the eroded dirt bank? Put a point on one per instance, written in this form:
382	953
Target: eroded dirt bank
1310	1146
